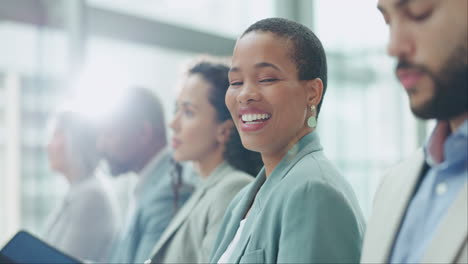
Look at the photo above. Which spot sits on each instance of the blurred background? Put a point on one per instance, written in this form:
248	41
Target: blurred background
53	49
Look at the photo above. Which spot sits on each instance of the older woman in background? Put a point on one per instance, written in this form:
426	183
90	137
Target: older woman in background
87	221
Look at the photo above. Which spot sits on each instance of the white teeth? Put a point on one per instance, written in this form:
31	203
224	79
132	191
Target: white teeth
254	117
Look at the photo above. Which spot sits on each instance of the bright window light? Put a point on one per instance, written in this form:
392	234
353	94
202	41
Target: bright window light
95	94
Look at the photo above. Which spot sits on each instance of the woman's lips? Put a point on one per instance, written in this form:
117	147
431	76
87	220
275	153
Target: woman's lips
253	120
252	126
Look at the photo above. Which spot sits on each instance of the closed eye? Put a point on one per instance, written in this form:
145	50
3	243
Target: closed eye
419	10
268	80
236	83
420	17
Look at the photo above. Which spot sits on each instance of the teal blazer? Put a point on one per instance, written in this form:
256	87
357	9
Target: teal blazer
304	212
154	208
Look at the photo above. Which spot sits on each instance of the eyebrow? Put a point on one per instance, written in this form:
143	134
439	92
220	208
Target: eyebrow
257	66
187	104
266	65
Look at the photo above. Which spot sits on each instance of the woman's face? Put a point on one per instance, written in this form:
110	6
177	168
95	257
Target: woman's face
268	102
56	151
196	131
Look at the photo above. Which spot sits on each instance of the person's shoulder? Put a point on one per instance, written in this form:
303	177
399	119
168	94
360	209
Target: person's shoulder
231	184
315	176
308	187
91	189
237	177
398	176
309	197
240	194
313	168
91	198
398	172
161	168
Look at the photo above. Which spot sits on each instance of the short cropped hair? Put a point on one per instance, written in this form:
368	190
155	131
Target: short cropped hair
307	50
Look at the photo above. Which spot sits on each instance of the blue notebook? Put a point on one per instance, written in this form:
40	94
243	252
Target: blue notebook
26	248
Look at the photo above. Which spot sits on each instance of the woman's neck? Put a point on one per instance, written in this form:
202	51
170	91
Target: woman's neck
272	158
271	161
209	163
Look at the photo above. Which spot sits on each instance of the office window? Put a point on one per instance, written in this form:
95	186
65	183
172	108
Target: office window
227	18
366	125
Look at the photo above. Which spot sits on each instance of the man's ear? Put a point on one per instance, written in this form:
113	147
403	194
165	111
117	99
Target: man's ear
224	131
314	91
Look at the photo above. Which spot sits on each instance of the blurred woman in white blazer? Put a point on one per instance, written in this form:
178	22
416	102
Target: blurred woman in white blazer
86	222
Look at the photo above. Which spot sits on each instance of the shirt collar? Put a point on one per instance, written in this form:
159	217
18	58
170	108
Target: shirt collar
463	129
435	146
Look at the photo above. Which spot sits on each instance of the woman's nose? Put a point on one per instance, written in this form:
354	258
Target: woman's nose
249	92
174	122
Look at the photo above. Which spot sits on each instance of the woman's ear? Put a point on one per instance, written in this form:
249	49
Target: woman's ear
224	131
314	91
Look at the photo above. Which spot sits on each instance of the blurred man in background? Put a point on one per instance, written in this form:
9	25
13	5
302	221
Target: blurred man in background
133	139
420	210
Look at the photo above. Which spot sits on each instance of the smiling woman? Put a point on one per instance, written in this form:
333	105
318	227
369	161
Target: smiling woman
299	209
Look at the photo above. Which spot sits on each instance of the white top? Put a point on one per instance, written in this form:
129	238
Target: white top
227	254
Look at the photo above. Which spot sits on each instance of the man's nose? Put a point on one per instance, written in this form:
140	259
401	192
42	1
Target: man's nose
400	44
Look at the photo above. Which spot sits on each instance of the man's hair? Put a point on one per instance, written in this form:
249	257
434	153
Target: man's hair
141	105
307	50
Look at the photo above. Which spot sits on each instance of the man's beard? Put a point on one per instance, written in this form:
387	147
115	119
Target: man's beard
450	87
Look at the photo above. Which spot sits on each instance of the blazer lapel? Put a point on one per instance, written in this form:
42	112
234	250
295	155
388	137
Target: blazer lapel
251	221
397	202
187	208
178	219
247	231
452	233
261	190
238	213
258	195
